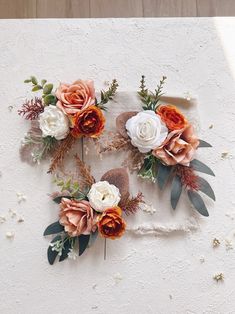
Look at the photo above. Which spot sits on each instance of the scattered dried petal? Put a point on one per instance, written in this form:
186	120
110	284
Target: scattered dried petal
219	277
216	242
10	234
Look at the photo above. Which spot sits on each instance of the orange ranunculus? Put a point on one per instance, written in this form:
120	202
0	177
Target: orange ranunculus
77	217
110	224
178	148
89	122
73	98
172	117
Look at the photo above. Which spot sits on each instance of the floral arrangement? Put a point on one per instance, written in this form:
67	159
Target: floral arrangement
162	145
60	117
89	209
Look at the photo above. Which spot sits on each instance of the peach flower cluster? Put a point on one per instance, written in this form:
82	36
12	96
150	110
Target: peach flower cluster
77	101
181	143
81	217
165	133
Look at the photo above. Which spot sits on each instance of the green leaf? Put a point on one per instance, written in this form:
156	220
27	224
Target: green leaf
43	82
205	187
201	167
176	189
58	199
47	89
83	241
163	174
66	249
34	80
27	81
51	255
204	144
36	88
93	237
56	227
198	203
49	99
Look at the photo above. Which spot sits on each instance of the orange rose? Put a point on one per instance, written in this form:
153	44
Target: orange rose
77	217
172	117
111	225
75	97
178	148
89	122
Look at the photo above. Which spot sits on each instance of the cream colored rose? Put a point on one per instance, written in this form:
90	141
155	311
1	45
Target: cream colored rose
53	122
146	130
103	195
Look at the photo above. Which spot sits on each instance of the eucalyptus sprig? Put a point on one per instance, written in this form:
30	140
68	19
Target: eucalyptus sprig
149	99
47	90
108	95
70	186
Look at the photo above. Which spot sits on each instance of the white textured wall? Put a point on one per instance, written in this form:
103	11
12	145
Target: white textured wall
166	275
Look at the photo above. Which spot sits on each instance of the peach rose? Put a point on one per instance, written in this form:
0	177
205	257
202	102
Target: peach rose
77	217
172	117
110	224
89	122
178	148
72	98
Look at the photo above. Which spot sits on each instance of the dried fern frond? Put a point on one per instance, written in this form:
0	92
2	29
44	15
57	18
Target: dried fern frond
85	177
134	160
31	109
118	142
188	177
59	154
132	204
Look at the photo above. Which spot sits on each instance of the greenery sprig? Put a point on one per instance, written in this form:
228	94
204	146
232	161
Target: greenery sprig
107	95
149	99
47	90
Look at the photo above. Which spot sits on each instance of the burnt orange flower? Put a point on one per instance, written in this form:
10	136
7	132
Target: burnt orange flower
172	117
89	122
111	225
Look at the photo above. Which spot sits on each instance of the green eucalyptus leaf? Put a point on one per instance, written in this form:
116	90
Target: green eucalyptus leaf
34	80
56	227
163	174
205	187
201	167
83	241
51	255
176	190
198	203
49	99
204	144
66	249
43	82
27	81
58	199
47	89
36	88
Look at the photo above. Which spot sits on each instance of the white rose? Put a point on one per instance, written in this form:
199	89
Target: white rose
146	130
53	122
103	195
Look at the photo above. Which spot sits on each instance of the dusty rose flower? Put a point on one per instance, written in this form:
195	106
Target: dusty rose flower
178	148
72	98
77	217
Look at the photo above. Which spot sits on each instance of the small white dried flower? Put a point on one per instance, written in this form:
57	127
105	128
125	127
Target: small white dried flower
2	219
10	234
219	277
21	197
72	254
216	242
